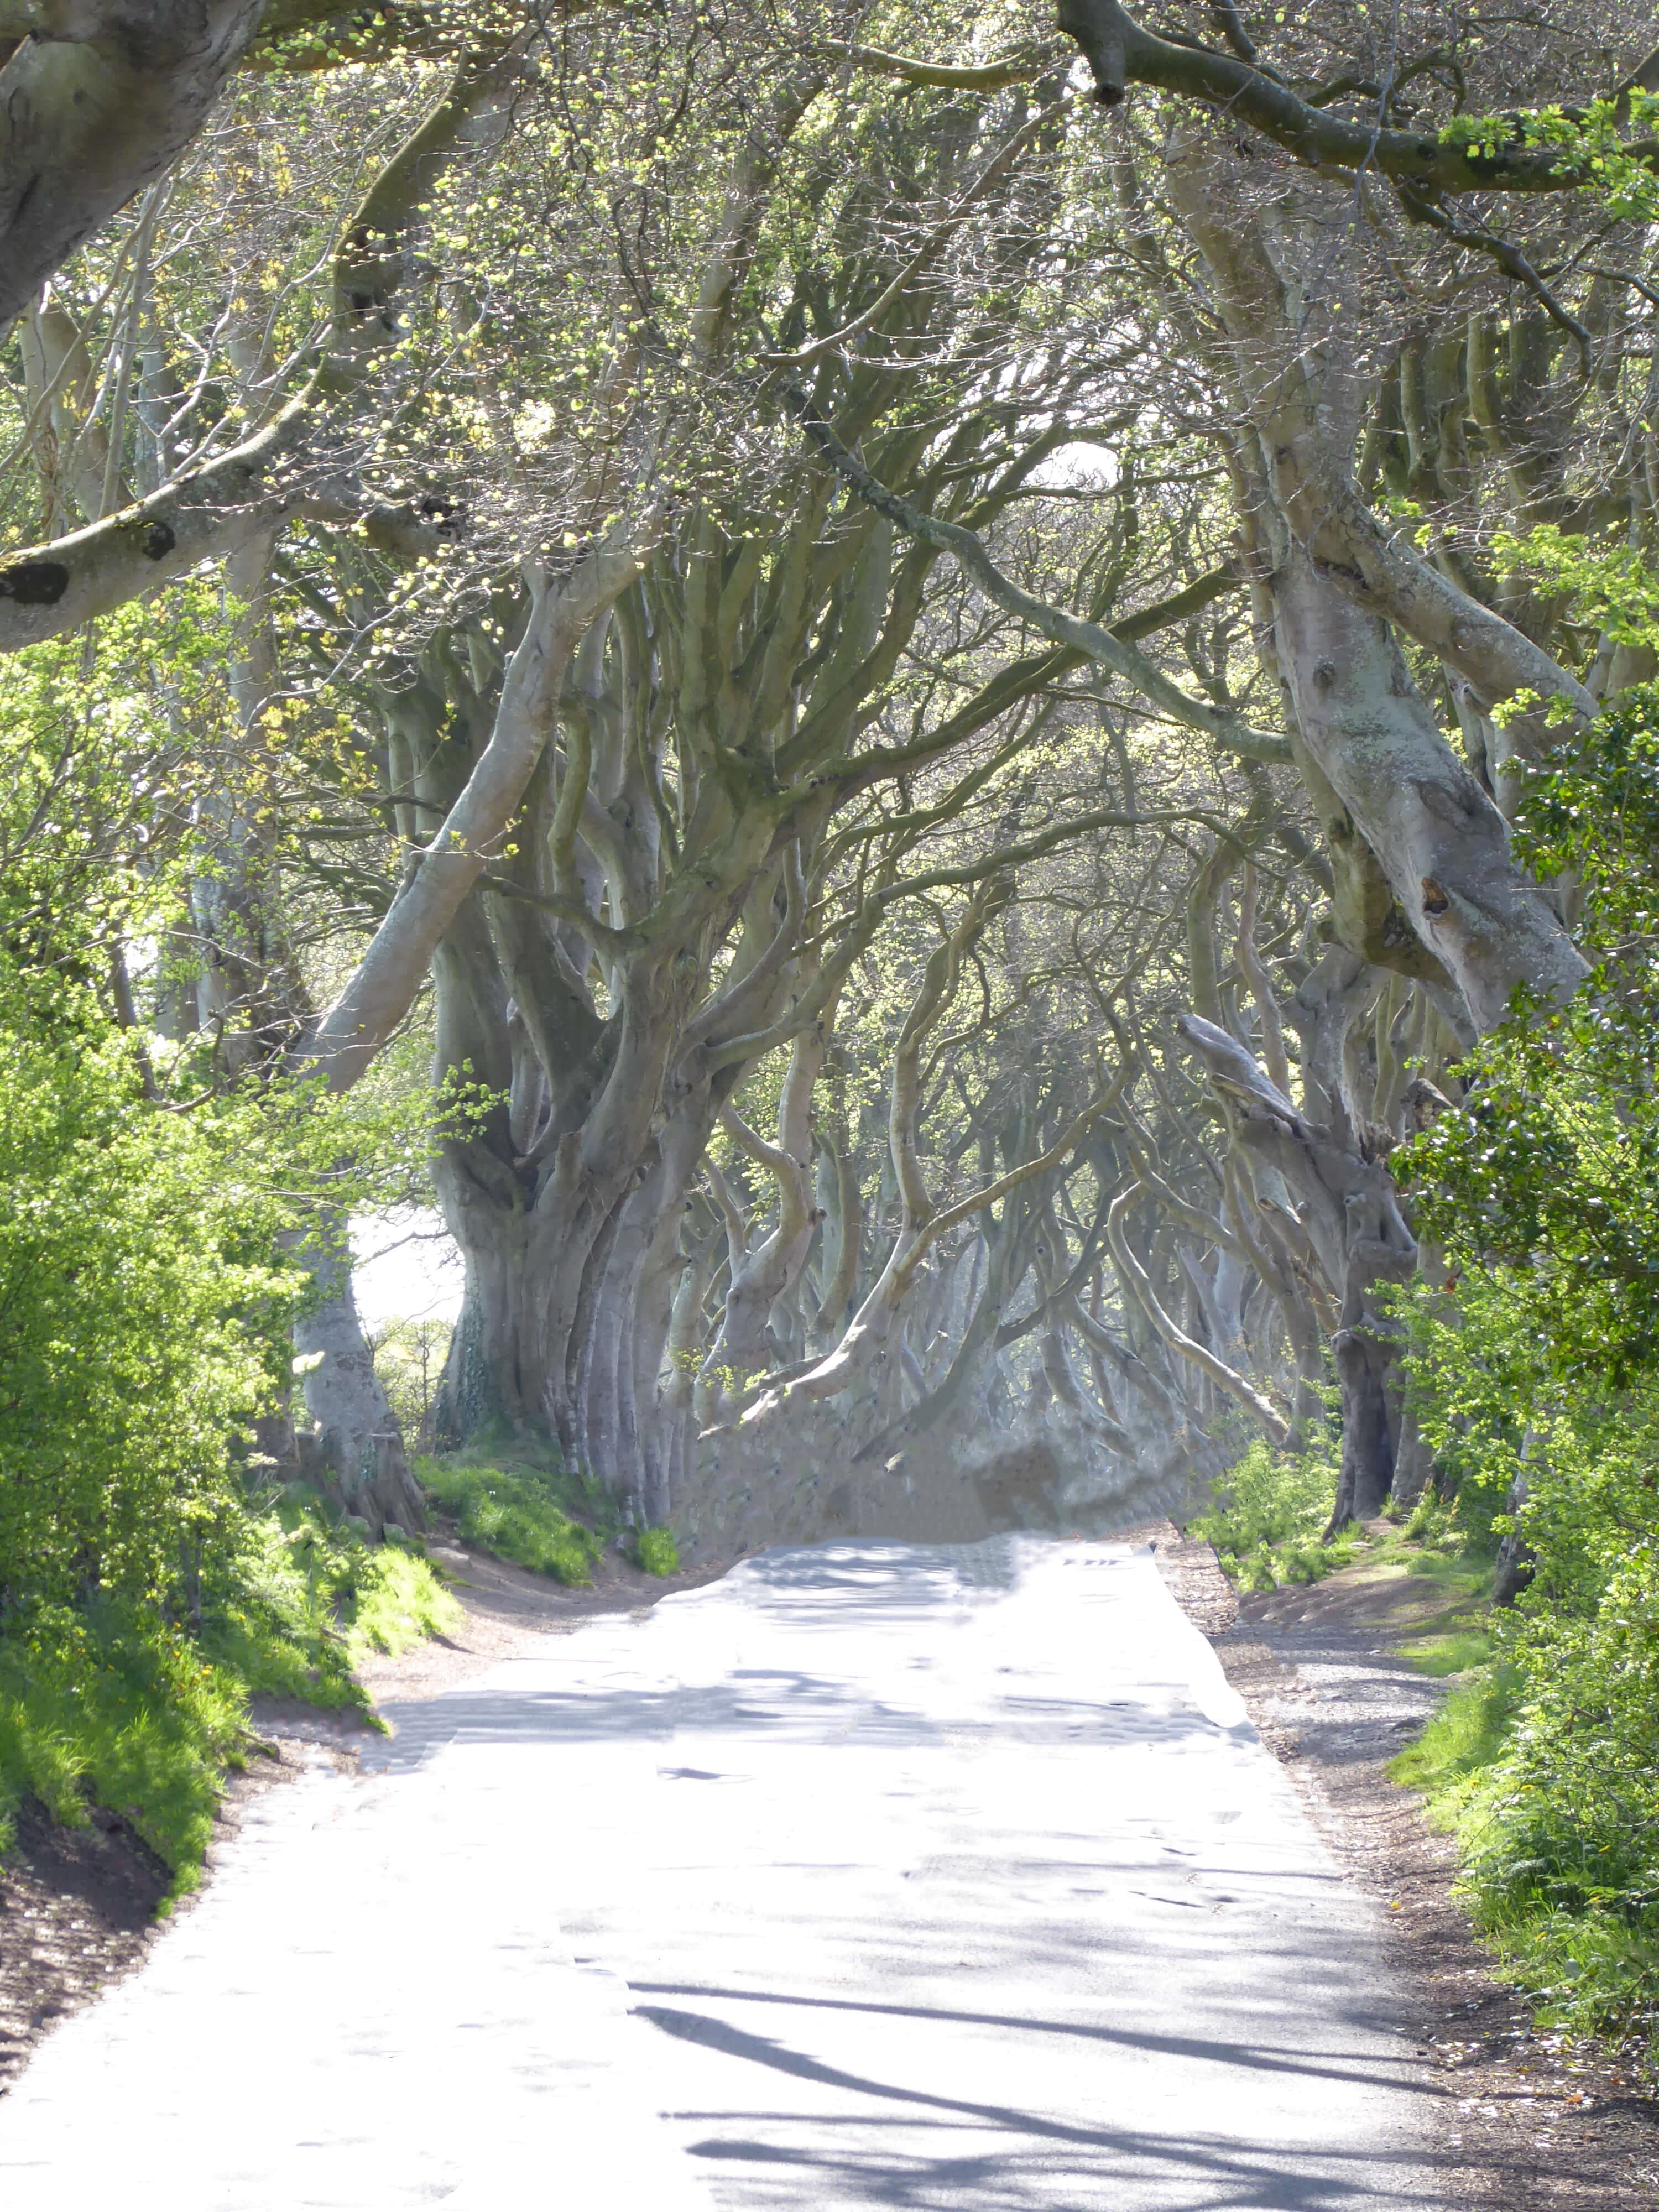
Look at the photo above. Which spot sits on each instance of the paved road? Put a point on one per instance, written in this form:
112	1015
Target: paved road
945	1877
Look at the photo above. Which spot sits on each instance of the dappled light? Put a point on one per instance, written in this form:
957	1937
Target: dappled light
800	809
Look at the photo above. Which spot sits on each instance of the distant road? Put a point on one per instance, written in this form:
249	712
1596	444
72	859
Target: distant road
949	1878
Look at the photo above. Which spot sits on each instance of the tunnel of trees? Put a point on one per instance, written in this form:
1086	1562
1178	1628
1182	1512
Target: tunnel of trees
950	724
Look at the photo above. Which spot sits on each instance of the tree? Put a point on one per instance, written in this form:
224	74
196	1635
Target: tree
700	577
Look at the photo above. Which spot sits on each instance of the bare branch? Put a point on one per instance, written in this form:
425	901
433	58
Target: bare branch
1087	638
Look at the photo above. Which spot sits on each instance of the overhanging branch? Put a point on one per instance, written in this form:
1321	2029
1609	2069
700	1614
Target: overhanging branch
1120	53
1086	638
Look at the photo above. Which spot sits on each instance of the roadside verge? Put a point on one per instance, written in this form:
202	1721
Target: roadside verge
1529	2123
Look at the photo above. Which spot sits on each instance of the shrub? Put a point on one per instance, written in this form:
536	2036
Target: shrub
1269	1510
657	1551
1535	1354
150	1209
143	1315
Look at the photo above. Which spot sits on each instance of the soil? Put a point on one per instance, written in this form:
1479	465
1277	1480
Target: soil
1533	2124
77	1906
1528	2122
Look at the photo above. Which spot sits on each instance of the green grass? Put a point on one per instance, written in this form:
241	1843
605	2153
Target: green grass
1454	1653
1463	1737
519	1511
1583	1945
116	1707
397	1601
1460	1574
656	1550
311	1600
111	1709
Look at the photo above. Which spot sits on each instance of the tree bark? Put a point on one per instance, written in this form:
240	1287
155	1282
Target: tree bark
97	99
354	1450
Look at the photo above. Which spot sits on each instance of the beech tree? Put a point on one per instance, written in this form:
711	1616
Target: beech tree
686	486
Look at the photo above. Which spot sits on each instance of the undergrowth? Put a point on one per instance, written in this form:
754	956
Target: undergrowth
515	1497
1540	1763
111	1704
1267	1521
1565	1890
657	1551
109	1707
517	1503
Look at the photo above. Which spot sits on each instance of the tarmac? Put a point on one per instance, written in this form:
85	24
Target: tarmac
869	1875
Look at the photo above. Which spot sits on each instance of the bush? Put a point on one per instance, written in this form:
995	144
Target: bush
1565	1886
657	1551
149	1210
516	1514
1535	1354
144	1316
1270	1510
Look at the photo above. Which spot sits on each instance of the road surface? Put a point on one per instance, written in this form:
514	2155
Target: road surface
945	1877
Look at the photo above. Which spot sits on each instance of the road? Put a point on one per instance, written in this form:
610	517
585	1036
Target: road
868	1875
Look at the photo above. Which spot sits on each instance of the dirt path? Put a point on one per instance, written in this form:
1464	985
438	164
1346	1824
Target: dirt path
1527	2125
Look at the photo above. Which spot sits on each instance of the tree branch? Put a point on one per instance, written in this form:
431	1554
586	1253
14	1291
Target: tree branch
1137	1280
1086	638
96	102
1120	53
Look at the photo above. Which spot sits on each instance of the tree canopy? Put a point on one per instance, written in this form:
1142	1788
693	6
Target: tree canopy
948	724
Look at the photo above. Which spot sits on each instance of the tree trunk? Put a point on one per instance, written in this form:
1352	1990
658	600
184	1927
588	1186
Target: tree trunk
354	1450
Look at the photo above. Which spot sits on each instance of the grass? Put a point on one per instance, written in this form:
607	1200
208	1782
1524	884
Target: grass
112	1706
1590	1963
1462	1738
1559	1872
109	1708
516	1502
656	1550
1581	1942
397	1601
513	1496
1454	1653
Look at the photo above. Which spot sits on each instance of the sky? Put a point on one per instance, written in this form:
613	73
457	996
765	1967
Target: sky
407	1266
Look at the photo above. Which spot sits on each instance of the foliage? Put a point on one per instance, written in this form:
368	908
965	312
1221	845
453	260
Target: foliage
515	1511
1537	1360
409	1358
1267	1523
142	1301
147	1215
657	1551
1590	142
145	1293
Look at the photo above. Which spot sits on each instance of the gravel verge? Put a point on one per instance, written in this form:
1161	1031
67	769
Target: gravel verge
1527	2123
